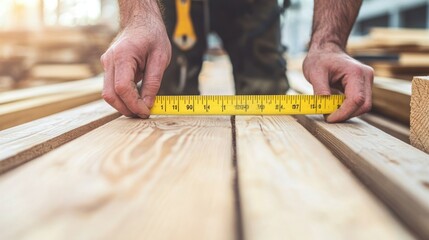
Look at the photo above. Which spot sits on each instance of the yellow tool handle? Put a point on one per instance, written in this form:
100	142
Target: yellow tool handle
246	105
184	34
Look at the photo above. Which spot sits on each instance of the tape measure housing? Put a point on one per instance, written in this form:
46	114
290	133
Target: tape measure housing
246	104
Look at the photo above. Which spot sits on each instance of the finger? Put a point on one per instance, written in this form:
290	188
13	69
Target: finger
355	98
126	88
152	78
366	107
320	83
109	94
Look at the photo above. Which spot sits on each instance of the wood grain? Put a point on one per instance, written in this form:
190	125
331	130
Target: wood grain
16	113
292	187
28	141
397	172
420	113
163	178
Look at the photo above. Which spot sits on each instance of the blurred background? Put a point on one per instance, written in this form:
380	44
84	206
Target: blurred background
48	41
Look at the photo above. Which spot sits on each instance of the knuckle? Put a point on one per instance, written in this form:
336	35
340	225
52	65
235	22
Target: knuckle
357	71
358	99
368	70
121	88
108	97
367	107
103	59
152	84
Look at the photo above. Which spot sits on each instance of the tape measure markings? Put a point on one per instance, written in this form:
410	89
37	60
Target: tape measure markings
246	104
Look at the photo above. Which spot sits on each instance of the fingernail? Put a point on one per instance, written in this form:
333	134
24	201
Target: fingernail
149	101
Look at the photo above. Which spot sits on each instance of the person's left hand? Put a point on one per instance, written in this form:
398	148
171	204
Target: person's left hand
330	69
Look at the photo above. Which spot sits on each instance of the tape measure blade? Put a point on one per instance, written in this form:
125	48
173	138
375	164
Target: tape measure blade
246	105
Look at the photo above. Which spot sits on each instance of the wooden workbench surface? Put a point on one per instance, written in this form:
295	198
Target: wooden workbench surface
214	178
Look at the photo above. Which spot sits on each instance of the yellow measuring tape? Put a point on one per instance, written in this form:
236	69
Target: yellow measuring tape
246	105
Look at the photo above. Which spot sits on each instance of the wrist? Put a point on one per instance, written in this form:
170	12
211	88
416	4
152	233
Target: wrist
138	13
323	44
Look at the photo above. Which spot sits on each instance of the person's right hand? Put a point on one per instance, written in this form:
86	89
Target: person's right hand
141	52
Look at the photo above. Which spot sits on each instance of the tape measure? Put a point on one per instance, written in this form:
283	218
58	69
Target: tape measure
246	104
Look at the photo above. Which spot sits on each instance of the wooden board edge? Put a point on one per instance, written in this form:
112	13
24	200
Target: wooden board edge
412	212
22	116
37	150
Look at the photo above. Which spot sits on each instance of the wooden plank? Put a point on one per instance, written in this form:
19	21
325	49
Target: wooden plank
414	59
64	72
392	97
397	172
292	187
33	92
16	113
398	130
400	36
162	178
216	76
420	113
28	141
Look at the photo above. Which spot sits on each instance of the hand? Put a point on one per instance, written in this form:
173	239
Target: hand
330	69
141	52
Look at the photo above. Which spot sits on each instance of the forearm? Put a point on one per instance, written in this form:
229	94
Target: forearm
137	11
332	22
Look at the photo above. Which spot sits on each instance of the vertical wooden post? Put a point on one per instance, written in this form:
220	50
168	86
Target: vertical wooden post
419	119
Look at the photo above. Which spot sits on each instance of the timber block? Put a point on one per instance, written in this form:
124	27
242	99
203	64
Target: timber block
419	118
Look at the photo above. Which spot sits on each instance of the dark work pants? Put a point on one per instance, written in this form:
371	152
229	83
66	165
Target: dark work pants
250	31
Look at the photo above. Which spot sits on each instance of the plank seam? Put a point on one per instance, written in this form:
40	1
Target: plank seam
236	185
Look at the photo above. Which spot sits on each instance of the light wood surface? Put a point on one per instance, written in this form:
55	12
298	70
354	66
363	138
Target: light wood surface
28	141
16	113
420	113
292	187
397	172
53	89
163	178
396	129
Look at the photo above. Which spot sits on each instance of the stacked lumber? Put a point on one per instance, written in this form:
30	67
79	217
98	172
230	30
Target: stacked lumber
21	106
396	53
199	177
392	97
54	53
